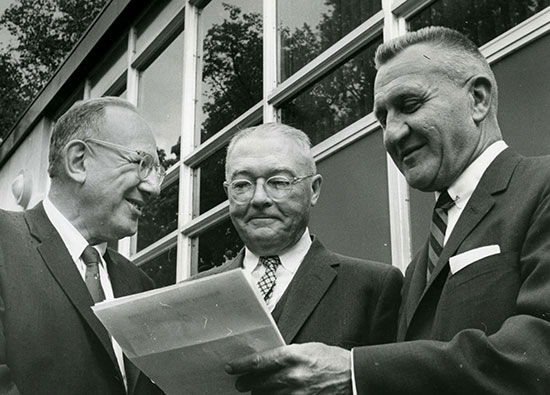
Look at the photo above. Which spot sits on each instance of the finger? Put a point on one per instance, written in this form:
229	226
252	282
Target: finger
259	362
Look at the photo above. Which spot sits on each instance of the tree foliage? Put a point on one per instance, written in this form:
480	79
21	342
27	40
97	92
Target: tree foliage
44	32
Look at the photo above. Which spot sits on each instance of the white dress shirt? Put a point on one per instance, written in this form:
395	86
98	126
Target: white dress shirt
76	243
290	262
461	190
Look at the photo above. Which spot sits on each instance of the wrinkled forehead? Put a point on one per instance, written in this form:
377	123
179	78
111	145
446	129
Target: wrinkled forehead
126	127
418	59
267	152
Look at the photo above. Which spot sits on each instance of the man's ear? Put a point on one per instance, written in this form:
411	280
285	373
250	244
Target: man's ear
74	160
482	92
316	182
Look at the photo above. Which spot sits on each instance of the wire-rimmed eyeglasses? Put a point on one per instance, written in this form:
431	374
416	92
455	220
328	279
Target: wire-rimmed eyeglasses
146	163
276	187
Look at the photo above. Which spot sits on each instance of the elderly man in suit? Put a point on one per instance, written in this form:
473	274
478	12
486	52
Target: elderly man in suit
54	262
476	298
314	294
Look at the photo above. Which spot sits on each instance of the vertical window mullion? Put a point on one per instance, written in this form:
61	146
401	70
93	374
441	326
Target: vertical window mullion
187	194
398	189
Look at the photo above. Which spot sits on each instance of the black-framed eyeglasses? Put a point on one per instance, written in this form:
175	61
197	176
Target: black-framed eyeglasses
146	164
276	187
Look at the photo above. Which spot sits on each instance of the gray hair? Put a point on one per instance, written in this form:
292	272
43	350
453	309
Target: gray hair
460	58
83	120
297	136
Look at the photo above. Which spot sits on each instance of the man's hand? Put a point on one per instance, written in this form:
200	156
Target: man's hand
311	368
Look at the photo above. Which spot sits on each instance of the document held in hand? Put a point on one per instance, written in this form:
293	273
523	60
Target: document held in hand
182	335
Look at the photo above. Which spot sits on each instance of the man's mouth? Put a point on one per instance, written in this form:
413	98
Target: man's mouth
136	205
405	153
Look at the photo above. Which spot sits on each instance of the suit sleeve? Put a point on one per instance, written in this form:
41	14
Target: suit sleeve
384	321
513	360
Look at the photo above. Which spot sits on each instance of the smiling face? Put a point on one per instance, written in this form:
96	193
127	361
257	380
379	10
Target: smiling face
427	118
267	226
112	196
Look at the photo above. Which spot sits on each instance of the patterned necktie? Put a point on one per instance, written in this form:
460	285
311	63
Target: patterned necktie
438	228
266	283
91	258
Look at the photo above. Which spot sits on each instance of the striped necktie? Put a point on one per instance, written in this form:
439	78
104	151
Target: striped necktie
266	283
91	258
438	228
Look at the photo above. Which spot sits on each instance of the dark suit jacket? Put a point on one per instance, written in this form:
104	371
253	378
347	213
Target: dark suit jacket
50	340
336	300
487	326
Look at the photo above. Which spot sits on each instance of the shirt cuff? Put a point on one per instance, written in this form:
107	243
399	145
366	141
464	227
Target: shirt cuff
353	386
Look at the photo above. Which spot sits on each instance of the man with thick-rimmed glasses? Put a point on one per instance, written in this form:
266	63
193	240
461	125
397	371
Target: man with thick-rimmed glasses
54	262
313	293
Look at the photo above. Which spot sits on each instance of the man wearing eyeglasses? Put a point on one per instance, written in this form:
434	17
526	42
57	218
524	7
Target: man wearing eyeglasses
54	262
314	294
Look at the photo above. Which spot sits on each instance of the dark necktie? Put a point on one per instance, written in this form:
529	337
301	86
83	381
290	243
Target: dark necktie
266	283
438	228
91	258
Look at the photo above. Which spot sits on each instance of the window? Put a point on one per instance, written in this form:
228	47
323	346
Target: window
218	245
230	71
307	28
337	100
480	20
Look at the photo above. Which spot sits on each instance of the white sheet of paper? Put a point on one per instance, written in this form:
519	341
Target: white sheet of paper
181	336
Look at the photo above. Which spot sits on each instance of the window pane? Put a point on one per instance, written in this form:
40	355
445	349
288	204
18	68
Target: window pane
160	98
112	67
162	269
218	245
307	28
160	217
480	20
212	175
155	19
352	214
336	101
231	69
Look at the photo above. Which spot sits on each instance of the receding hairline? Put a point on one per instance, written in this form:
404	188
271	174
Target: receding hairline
274	129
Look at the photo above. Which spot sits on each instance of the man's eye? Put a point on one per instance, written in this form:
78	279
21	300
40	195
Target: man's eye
279	183
410	106
240	185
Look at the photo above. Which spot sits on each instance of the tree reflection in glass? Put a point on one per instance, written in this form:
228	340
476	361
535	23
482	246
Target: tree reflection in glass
307	28
480	20
232	63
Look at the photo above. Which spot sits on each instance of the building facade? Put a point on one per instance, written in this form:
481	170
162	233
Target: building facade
201	70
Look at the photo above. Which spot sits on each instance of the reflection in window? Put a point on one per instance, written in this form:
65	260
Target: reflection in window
480	20
160	217
352	215
231	69
212	175
160	98
336	101
218	245
307	28
162	269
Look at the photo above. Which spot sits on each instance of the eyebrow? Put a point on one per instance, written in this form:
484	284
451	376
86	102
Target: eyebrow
271	172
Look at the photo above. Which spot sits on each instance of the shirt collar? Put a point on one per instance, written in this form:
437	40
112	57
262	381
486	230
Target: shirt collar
463	187
73	240
290	260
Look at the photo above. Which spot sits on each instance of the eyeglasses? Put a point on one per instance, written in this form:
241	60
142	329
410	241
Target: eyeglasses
146	162
276	187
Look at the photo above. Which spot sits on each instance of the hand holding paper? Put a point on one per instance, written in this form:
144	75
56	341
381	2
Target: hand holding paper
182	336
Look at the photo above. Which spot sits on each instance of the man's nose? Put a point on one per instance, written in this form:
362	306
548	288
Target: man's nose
150	187
260	196
396	129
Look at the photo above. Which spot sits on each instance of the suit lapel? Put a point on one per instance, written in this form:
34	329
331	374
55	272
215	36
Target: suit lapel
417	284
495	179
310	283
60	263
